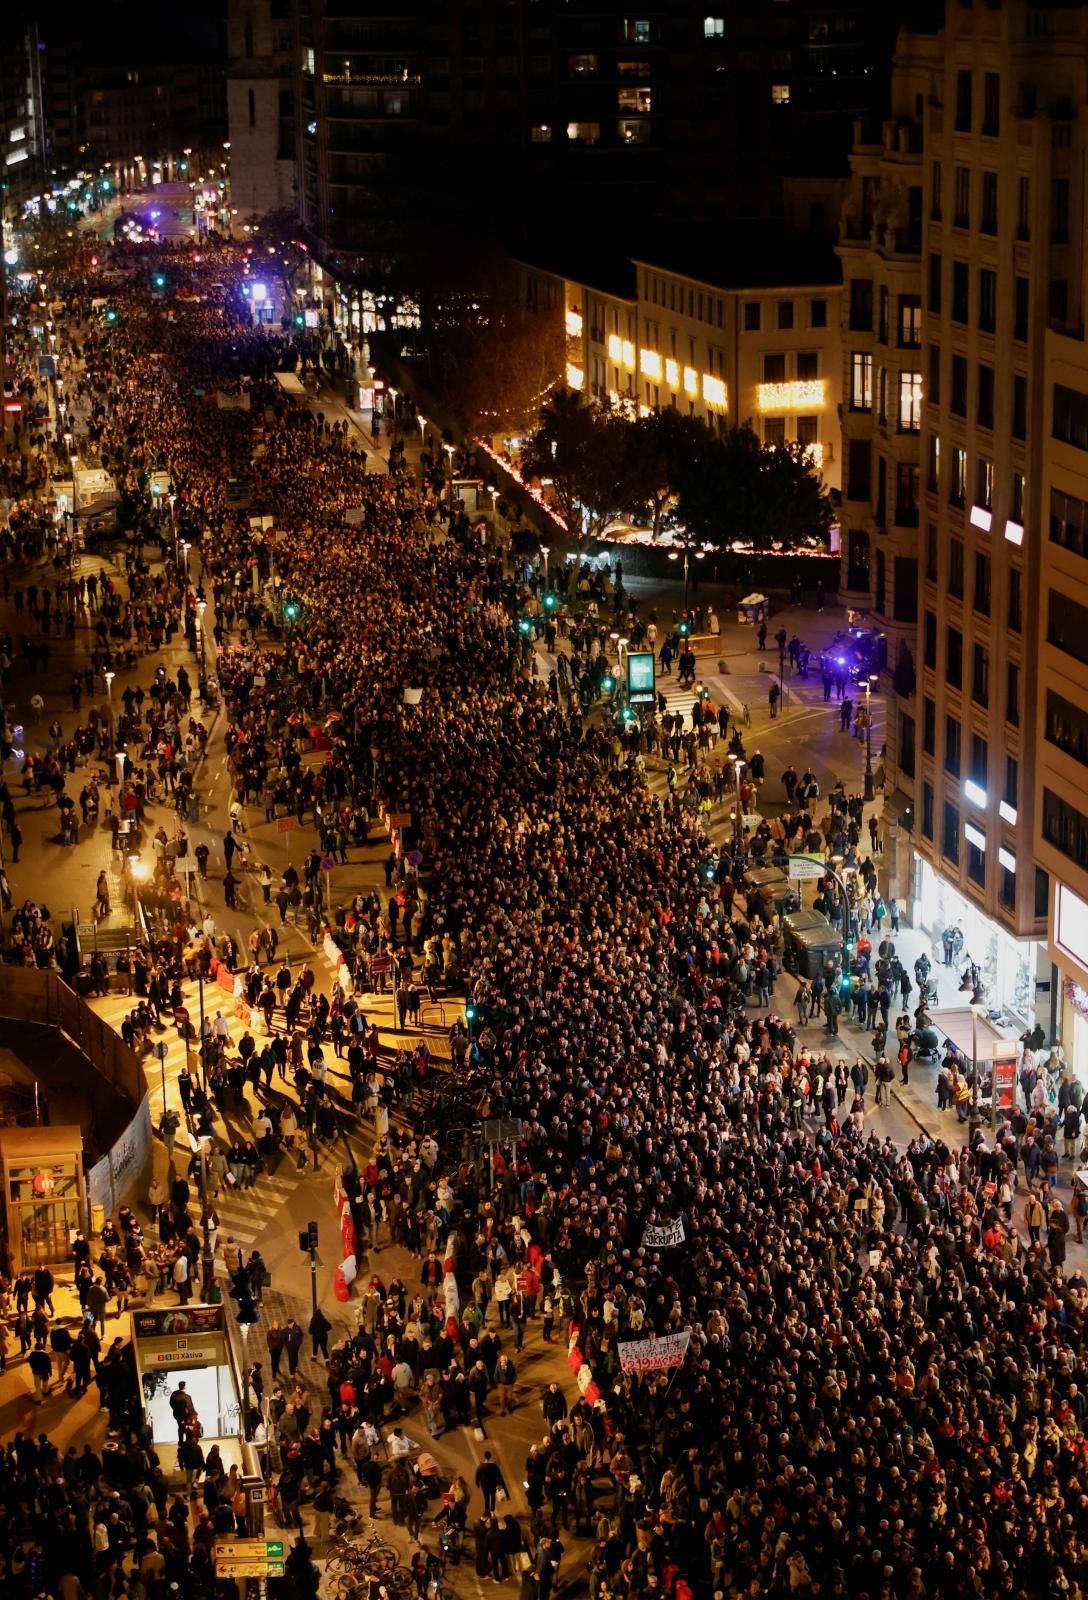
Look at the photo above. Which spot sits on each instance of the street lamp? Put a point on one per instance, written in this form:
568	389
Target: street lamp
201	607
448	448
109	696
392	393
422	420
675	555
545	551
869	684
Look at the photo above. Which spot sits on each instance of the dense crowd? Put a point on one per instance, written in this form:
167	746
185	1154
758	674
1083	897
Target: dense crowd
883	1393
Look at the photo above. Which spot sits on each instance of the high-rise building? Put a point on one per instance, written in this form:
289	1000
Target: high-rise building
515	118
978	173
261	84
22	123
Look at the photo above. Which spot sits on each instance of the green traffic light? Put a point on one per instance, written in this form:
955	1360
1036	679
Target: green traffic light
470	1013
525	626
106	185
291	610
550	602
159	281
111	315
683	630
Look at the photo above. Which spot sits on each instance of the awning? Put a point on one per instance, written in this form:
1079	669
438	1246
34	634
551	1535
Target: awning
290	384
955	1023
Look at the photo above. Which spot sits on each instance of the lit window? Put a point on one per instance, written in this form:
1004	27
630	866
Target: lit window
583	132
800	395
650	363
672	374
583	64
575	376
691	381
780	94
541	134
574	323
634	132
713	390
633	99
910	402
713	27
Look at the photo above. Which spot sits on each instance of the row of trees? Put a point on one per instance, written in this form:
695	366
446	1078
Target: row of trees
669	468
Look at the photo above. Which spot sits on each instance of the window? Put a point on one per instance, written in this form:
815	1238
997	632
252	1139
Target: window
910	402
636	32
957	483
1065	828
751	316
906	494
861	305
976	856
982	583
808	366
960	291
980	675
584	132
958	398
950	833
952	746
581	66
1042	895
935	374
807	430
882	329
859	456
927	811
634	99
1012	694
961	212
910	321
936	176
713	27
633	132
541	133
1058	301
906	744
774	367
1023	208
987	300
780	94
1066	727
1013	618
931	552
1006	887
861	381
933	476
1016	497
963	102
1020	309
953	650
984	396
934	282
991	104
818	312
1059	211
882	397
1012	783
785	314
1068	522
984	483
929	640
929	725
774	430
1070	423
955	568
1019	407
988	218
1067	625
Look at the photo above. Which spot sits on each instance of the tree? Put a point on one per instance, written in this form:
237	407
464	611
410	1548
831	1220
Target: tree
737	488
581	446
662	449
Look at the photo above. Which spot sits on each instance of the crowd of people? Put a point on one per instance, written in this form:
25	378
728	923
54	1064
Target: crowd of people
883	1392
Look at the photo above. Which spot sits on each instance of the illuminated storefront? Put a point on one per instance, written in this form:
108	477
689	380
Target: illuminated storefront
43	1192
1008	966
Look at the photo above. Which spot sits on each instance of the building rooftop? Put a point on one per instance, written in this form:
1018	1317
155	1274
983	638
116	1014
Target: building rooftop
609	272
751	255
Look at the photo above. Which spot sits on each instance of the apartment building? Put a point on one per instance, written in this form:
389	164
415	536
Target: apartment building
1060	687
261	107
981	165
758	345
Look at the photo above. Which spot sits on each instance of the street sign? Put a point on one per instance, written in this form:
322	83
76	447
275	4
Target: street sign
286	824
327	863
160	1049
806	868
249	1549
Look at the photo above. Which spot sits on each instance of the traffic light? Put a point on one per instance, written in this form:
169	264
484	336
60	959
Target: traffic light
292	611
470	1012
158	280
106	186
112	315
550	602
525	626
307	1239
684	629
300	320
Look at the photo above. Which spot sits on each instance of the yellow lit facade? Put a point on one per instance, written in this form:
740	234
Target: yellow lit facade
770	357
